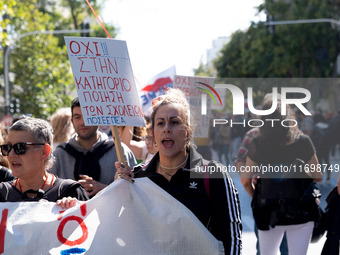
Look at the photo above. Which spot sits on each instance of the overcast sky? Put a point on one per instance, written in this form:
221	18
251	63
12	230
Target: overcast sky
163	33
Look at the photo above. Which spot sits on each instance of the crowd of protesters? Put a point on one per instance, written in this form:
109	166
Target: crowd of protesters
321	127
323	133
84	164
86	155
322	130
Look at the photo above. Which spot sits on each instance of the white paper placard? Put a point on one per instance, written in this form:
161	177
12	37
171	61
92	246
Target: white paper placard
104	81
194	87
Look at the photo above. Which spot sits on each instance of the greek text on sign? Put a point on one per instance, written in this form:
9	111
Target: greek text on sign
104	81
195	88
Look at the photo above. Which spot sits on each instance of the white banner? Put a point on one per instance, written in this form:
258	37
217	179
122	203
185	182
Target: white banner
104	80
124	218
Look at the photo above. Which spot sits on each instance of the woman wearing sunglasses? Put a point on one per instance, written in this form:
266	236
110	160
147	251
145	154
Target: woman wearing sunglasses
28	150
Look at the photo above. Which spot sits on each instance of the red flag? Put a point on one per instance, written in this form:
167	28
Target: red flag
159	83
155	87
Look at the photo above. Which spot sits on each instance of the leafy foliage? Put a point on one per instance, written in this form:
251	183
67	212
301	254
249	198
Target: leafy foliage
299	50
41	76
203	70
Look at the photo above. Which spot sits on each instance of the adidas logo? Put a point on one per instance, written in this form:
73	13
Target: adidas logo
193	185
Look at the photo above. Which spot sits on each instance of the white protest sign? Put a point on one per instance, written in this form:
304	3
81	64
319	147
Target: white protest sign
104	80
194	87
124	218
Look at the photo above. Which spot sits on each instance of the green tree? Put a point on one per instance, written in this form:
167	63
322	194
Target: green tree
41	72
80	13
203	70
303	50
39	63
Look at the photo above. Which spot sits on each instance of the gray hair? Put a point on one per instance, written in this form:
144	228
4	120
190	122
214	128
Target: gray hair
40	129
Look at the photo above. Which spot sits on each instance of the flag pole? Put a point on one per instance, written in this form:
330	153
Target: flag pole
118	144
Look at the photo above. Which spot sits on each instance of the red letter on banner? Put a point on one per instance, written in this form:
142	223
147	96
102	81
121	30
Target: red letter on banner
3	225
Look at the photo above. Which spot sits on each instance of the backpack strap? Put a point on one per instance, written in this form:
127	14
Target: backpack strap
60	188
5	191
66	185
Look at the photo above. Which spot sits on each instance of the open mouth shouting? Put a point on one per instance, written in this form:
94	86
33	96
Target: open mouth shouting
168	143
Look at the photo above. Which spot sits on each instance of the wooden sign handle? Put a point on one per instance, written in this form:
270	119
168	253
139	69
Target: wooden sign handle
118	144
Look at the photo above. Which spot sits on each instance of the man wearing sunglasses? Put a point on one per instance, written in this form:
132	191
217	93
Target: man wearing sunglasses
88	156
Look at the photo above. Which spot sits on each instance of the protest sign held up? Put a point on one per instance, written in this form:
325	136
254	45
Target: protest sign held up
194	87
104	81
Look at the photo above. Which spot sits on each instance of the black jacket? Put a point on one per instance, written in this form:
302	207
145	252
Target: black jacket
216	205
61	188
5	174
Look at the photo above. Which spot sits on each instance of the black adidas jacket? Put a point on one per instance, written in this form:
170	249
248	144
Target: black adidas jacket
216	205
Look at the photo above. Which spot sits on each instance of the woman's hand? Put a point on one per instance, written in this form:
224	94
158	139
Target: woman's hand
67	202
124	172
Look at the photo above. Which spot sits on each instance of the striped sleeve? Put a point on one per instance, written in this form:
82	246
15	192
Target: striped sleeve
234	215
226	223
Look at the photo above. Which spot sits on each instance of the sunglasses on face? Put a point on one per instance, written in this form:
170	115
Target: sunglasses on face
19	148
